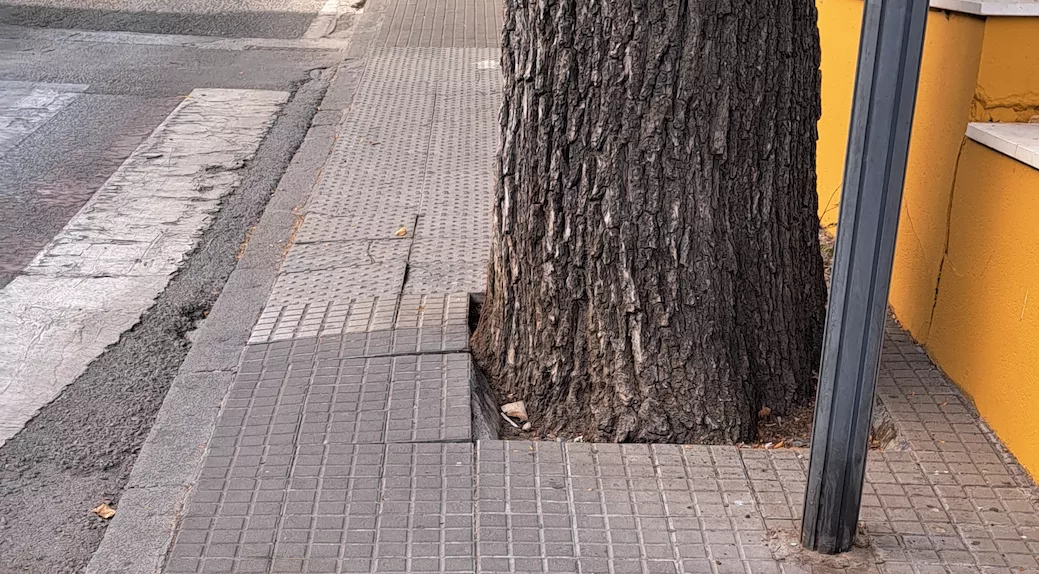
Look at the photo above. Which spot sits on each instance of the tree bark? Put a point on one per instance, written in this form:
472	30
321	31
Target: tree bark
655	270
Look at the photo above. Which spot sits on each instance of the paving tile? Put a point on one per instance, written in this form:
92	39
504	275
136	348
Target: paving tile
345	254
344	508
349	314
315	287
446	277
441	320
322	396
460	23
523	512
344	442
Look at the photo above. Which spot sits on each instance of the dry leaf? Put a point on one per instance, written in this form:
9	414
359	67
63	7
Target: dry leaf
764	412
402	232
104	511
779	444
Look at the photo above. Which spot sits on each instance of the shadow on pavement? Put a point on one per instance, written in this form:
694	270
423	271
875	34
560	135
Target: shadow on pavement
237	24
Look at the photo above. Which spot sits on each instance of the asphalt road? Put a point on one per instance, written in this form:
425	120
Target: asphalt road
73	108
235	18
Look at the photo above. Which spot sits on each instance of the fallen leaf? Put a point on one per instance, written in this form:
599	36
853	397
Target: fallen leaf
104	511
764	412
779	444
401	232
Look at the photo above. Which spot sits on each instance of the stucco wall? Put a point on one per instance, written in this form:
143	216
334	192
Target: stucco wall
985	332
1008	82
967	255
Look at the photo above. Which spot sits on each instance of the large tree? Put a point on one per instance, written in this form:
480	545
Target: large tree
655	270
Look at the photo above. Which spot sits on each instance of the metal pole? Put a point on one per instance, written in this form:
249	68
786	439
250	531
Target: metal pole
890	49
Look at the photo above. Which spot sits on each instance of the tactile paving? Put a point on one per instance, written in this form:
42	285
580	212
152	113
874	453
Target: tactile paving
377	197
452	277
346	254
397	70
464	23
328	285
384	224
474	249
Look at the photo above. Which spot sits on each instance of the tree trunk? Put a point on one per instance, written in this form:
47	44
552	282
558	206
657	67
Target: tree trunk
655	270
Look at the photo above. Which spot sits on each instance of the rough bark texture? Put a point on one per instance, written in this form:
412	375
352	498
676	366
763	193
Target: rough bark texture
656	272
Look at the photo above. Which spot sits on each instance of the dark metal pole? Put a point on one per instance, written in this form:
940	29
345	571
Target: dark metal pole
890	49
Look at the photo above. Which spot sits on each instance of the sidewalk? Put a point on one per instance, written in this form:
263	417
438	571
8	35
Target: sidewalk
345	440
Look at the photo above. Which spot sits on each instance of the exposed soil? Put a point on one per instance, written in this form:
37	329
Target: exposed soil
793	430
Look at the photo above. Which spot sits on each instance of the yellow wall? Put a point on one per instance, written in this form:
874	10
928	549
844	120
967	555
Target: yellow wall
839	24
962	203
985	333
948	75
1008	85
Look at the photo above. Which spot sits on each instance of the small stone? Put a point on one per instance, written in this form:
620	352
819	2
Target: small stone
516	410
526	426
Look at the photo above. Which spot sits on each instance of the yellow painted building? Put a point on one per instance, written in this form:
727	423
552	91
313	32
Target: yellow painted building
967	256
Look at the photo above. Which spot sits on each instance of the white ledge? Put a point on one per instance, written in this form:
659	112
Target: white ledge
1019	141
990	7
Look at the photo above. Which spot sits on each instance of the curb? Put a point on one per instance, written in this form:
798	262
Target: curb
138	539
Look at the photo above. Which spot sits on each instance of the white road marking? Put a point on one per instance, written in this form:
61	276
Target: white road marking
107	266
325	20
178	40
25	106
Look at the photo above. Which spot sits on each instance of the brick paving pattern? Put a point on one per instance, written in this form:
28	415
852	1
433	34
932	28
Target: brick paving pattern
346	441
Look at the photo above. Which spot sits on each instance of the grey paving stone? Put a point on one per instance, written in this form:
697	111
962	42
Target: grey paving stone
176	443
345	508
383	225
336	284
432	339
404	70
284	321
446	277
152	512
415	398
441	320
405	398
464	250
426	309
462	23
346	254
524	518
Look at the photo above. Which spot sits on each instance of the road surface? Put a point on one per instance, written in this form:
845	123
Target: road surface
139	141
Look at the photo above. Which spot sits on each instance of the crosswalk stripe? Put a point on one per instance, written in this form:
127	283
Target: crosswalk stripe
25	106
96	277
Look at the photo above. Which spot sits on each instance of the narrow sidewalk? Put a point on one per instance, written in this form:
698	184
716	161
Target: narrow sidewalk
346	441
